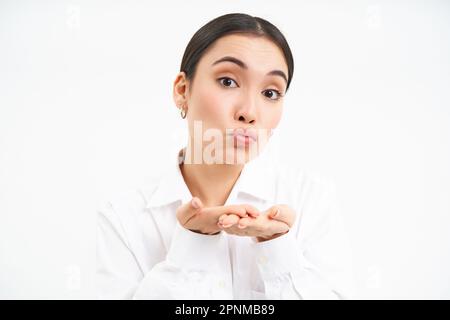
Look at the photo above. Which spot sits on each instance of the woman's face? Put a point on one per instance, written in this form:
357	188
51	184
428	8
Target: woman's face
237	85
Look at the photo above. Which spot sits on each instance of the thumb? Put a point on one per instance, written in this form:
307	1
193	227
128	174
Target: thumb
196	203
274	212
282	213
189	209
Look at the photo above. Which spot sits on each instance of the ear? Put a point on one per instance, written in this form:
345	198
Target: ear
180	90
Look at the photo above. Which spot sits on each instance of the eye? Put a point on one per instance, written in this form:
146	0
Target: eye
225	81
272	92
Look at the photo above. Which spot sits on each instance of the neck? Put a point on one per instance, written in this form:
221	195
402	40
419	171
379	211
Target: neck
212	183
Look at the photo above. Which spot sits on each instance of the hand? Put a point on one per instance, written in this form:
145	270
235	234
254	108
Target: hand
197	218
272	223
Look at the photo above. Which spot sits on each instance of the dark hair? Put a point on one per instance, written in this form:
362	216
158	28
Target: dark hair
227	24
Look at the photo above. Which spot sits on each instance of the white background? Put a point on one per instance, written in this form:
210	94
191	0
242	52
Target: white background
86	111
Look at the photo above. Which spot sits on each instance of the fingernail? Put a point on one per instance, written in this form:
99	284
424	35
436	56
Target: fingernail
276	213
227	225
240	226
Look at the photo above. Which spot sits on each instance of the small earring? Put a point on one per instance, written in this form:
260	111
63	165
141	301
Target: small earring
183	113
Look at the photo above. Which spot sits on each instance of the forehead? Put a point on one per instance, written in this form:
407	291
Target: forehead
259	53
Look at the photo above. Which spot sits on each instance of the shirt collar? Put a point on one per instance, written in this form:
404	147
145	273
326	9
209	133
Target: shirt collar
256	179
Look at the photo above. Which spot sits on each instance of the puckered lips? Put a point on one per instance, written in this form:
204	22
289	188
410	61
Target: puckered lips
244	137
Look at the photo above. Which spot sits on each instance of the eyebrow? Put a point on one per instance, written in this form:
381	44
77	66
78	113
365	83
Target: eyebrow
244	66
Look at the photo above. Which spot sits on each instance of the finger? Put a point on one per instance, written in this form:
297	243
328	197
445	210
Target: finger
225	220
231	209
244	223
222	217
282	214
274	212
251	210
188	210
230	220
196	203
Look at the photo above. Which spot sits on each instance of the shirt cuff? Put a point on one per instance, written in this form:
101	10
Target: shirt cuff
191	250
278	256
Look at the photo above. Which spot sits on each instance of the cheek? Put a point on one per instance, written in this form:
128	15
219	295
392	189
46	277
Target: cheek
272	117
211	107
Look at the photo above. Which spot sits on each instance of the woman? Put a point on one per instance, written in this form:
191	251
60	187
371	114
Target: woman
224	222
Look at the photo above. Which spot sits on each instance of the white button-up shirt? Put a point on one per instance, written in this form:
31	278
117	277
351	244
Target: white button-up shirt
144	253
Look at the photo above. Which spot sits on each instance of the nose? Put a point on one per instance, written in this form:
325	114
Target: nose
246	113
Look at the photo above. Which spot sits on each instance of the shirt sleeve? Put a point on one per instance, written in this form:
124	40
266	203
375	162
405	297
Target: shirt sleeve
319	266
195	266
